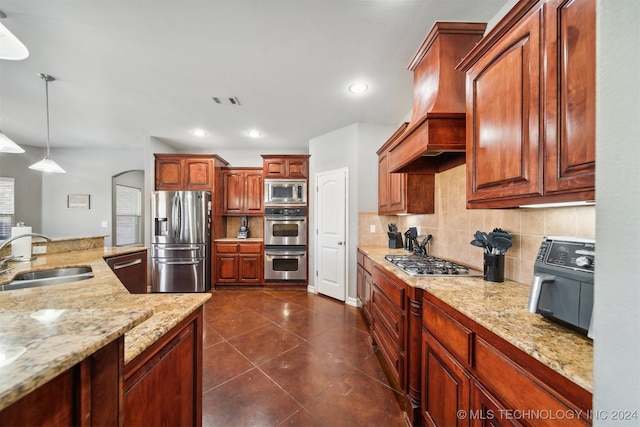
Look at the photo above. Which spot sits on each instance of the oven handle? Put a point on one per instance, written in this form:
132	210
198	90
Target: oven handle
284	218
284	253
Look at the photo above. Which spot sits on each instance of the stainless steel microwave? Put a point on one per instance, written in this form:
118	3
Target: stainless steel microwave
281	192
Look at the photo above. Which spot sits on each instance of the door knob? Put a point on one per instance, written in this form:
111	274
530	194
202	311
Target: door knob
340	243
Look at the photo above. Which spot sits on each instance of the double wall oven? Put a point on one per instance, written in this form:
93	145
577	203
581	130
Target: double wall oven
285	244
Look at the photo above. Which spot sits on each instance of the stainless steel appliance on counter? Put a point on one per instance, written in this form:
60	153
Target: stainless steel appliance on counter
281	192
180	246
285	244
562	286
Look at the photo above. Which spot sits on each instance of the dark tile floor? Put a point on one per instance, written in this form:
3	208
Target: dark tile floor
291	358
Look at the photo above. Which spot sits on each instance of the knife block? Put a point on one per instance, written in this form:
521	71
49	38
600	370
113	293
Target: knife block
395	240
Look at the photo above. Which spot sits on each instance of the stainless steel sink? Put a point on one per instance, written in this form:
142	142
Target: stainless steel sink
48	277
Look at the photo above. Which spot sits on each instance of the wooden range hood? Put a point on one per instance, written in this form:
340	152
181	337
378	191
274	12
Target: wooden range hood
435	139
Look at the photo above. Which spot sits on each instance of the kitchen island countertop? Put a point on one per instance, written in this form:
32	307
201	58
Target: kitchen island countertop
502	309
92	313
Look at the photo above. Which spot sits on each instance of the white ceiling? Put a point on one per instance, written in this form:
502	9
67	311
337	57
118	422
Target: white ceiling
127	70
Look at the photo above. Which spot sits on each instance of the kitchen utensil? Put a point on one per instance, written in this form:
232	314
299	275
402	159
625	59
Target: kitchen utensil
478	243
482	237
501	244
500	232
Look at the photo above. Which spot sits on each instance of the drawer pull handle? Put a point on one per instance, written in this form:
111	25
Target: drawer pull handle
126	264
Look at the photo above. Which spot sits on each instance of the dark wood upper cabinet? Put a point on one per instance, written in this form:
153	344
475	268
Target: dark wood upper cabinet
186	171
243	191
401	193
569	114
531	107
294	166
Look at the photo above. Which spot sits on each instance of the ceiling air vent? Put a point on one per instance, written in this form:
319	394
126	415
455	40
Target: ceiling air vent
226	100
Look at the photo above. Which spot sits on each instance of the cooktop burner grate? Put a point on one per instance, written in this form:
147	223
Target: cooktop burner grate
421	266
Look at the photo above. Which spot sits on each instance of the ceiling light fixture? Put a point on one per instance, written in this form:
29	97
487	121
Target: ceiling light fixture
199	133
8	146
10	47
47	164
253	133
358	88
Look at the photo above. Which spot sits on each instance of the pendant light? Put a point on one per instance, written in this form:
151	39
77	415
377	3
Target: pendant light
10	47
47	164
8	146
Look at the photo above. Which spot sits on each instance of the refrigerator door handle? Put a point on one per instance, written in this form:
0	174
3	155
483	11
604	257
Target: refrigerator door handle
194	262
175	220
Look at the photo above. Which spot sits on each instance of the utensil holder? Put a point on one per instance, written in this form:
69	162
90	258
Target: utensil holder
395	240
494	267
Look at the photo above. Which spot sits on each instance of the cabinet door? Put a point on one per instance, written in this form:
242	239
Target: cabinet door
163	385
570	92
198	174
168	174
233	192
296	168
397	192
445	386
383	185
503	117
250	268
253	193
274	168
226	268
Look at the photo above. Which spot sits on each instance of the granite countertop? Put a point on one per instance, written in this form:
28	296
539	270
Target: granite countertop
502	309
92	313
235	239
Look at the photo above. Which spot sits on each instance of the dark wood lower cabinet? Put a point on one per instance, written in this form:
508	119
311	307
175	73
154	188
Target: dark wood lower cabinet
451	371
488	412
445	386
88	394
163	385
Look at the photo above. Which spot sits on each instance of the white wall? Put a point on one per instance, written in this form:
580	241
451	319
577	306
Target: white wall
350	147
89	171
617	282
28	185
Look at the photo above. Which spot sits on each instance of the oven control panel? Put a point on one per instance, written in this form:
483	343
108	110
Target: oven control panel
577	254
285	211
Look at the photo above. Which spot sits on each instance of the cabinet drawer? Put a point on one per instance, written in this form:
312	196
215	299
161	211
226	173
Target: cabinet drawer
391	289
361	257
455	337
518	389
390	353
227	248
250	248
368	264
388	316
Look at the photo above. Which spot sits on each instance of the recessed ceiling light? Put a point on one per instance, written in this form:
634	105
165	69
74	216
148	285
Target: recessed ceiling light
199	132
253	133
358	88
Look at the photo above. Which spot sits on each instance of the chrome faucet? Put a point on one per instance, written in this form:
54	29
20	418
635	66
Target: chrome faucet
3	261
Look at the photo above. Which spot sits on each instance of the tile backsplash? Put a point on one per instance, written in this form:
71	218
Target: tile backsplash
453	226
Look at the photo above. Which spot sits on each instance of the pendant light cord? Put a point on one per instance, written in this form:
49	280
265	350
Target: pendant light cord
46	90
47	78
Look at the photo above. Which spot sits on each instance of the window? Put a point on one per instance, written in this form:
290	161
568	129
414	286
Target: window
7	206
128	215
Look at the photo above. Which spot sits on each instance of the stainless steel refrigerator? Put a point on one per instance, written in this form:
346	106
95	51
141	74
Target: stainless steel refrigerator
181	241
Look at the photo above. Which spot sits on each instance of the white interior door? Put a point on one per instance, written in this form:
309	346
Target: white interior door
331	244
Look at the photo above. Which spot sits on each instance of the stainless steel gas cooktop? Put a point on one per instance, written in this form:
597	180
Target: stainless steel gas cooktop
430	266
